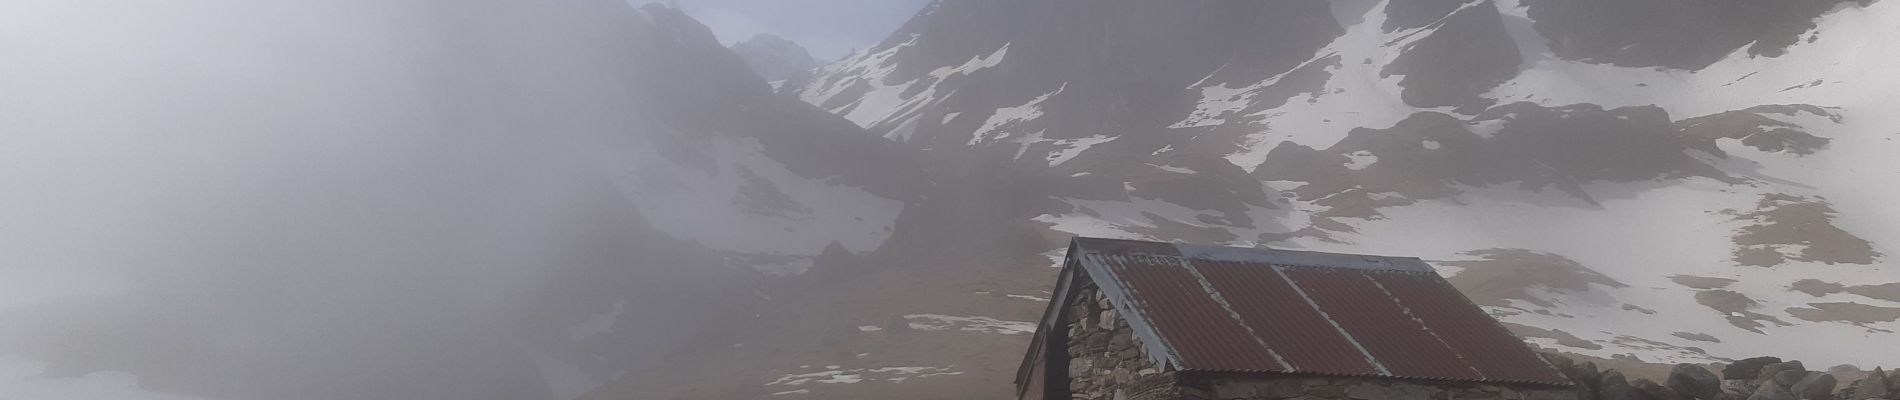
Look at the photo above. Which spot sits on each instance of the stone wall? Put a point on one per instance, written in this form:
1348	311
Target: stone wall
1106	363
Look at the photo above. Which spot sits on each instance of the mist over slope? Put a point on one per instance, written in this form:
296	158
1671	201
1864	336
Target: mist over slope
523	200
397	199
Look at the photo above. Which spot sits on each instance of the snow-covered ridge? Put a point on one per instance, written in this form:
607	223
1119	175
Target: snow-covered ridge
1732	155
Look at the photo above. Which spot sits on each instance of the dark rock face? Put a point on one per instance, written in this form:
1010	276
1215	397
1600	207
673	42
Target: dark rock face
775	58
1693	381
1570	144
1468	54
1684	34
1755	128
1537	147
1748	368
1786	221
1529	146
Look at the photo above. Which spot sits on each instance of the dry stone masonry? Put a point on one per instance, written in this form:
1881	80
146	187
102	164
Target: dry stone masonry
1105	362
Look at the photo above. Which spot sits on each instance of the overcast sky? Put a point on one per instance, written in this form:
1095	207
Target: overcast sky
831	29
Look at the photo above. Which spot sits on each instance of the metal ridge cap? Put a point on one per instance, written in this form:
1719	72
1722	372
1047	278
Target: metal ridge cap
1292	258
1376	376
1265	255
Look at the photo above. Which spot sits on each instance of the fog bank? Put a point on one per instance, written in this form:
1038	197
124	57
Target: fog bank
317	199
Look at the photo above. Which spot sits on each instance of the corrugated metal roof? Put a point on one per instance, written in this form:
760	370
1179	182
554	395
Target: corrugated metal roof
1221	309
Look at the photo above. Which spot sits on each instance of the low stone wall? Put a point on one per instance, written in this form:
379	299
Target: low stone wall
1760	378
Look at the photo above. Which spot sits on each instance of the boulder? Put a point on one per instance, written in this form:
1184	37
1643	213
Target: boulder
1693	381
1893	384
1816	386
1875	386
1769	371
1788	378
1562	363
1585	375
1650	390
1742	387
1614	387
1770	391
1748	368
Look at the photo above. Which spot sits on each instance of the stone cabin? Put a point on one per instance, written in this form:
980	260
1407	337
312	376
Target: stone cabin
1136	320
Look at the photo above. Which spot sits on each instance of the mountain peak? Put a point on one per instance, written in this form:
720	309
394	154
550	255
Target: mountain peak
773	57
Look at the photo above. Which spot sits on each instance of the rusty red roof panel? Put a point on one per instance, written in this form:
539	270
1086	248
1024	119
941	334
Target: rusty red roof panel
1474	335
1161	283
1380	324
1263	310
1281	318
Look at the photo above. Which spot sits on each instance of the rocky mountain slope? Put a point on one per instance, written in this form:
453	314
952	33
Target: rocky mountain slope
775	58
1698	187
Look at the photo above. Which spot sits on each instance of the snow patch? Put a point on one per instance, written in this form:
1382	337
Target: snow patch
1028	297
1069	148
1011	115
1174	169
936	322
834	375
